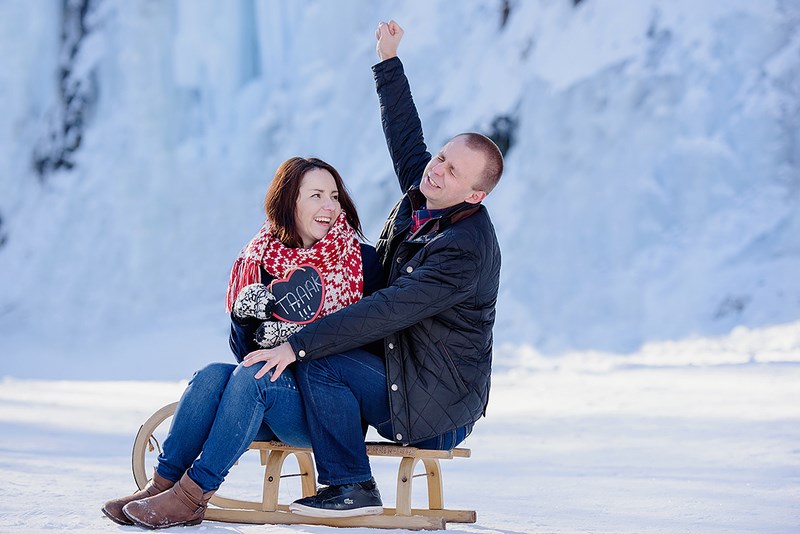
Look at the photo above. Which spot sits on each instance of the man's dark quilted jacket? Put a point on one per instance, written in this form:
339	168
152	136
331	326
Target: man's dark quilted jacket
437	313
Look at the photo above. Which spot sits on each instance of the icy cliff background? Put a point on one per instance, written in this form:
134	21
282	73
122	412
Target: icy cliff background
651	193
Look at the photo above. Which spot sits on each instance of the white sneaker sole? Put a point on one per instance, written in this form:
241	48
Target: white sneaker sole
301	509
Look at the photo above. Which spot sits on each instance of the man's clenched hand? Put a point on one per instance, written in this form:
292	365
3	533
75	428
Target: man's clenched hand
388	36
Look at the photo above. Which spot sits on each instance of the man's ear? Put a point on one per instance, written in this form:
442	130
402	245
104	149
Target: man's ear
475	197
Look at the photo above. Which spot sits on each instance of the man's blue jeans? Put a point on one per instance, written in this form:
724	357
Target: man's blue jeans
340	391
222	410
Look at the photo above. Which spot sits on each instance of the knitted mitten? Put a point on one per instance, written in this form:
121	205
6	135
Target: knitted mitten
270	334
254	300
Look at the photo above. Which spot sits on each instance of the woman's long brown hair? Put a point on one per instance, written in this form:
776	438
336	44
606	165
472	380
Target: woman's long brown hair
281	199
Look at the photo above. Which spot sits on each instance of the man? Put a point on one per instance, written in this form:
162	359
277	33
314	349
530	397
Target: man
442	261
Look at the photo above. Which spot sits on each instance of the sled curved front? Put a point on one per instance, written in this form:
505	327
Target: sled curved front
144	441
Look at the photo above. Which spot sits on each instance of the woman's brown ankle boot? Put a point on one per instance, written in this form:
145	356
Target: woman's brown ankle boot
184	504
156	485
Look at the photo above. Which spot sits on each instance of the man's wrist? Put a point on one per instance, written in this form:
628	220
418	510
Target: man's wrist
386	63
299	352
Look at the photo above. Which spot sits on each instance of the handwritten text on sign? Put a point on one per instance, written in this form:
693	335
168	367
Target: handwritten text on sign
299	296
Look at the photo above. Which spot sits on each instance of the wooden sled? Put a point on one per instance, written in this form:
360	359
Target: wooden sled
274	454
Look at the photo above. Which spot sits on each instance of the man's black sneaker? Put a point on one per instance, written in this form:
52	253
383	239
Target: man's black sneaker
346	500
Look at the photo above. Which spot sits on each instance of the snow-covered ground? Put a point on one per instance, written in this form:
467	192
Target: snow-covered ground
657	441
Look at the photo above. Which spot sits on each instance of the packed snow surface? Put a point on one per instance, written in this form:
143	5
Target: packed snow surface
650	442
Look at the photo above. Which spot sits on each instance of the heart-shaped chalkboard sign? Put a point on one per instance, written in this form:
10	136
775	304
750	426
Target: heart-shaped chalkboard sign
299	296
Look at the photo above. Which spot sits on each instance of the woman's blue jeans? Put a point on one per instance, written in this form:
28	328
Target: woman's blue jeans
340	391
223	409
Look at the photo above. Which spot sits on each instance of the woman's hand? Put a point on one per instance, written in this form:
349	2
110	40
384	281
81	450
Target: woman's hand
278	358
388	36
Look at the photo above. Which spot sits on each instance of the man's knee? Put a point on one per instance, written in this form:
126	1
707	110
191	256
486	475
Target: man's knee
341	368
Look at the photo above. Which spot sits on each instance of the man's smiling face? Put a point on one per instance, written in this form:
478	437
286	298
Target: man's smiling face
451	176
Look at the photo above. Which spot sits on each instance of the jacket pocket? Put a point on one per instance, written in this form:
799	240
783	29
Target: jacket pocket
451	365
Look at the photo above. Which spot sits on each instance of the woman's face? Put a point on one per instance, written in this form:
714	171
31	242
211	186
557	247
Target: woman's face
317	206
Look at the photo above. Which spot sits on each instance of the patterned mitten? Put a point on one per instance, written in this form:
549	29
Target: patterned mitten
270	334
254	300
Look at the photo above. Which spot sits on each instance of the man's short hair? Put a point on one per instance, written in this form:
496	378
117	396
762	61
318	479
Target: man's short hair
492	155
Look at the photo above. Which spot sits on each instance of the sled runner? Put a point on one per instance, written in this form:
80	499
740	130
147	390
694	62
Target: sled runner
273	456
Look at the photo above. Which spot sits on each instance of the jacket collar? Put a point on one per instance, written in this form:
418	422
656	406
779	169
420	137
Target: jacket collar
450	215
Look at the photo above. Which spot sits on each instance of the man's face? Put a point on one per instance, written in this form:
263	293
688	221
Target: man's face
451	176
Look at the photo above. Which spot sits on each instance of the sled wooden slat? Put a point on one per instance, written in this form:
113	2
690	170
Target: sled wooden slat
374	448
450	516
419	522
273	455
384	449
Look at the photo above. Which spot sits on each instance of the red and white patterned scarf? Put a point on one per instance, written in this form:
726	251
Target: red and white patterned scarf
337	256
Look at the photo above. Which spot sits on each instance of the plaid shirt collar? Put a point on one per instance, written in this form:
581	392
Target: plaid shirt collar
421	216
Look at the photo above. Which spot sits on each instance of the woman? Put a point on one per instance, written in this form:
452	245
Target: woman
311	223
